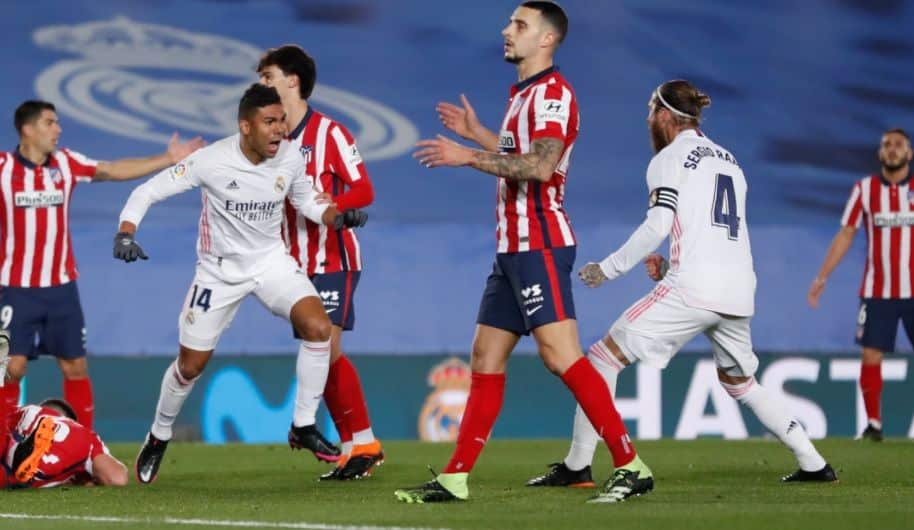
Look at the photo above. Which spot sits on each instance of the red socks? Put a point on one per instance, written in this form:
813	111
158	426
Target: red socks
345	399
592	394
871	388
487	391
337	403
78	393
9	393
5	410
350	385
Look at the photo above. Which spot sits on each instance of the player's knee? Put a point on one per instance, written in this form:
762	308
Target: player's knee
16	368
191	369
74	368
871	356
554	361
315	328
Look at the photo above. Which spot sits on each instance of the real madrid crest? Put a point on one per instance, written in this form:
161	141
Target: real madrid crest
280	185
439	420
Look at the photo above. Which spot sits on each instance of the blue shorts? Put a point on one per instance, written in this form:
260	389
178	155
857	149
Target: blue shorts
44	321
528	289
877	322
337	290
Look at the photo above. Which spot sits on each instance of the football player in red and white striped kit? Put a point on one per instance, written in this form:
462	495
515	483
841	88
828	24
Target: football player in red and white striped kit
884	204
38	293
529	289
332	258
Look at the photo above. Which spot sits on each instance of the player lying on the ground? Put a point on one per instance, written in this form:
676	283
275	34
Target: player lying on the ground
698	198
44	447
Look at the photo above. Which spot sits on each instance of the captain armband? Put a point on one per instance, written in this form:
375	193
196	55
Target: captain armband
666	197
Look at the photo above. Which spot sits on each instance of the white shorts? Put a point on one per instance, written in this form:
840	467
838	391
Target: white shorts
211	303
656	327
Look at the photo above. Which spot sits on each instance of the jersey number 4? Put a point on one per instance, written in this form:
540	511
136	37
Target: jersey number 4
725	214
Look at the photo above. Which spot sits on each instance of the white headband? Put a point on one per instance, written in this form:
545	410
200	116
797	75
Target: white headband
670	107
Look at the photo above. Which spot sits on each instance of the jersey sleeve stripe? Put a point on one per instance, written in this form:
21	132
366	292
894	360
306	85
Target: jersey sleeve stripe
853	209
346	152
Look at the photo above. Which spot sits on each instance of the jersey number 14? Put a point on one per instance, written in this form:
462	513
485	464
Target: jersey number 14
725	214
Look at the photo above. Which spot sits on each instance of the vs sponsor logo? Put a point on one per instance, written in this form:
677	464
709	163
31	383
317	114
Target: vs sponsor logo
331	300
533	298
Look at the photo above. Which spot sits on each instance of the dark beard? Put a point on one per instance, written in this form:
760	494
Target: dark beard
893	167
514	60
657	139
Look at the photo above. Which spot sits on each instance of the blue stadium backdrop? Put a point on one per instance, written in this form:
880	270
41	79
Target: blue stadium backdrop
801	109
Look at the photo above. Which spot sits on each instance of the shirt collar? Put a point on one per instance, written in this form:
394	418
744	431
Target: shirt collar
534	78
28	163
301	125
899	183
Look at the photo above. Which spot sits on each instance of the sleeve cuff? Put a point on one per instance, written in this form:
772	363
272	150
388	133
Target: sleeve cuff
609	268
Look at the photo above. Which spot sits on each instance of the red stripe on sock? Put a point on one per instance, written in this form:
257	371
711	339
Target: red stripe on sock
487	391
871	388
593	395
336	402
78	393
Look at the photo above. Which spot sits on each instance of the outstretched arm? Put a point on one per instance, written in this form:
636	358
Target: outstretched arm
840	244
539	164
171	181
133	168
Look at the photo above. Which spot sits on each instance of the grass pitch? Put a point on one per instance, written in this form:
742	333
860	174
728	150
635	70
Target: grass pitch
703	484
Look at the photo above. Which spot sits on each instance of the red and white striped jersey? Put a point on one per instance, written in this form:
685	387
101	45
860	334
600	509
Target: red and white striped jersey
332	157
36	248
531	214
887	212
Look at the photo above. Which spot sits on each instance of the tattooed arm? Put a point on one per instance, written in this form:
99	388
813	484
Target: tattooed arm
539	164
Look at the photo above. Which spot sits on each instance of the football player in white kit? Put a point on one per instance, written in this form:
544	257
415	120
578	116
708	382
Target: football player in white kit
698	198
245	179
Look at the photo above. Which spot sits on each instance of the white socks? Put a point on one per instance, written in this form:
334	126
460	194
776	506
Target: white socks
311	368
771	410
584	439
365	436
175	389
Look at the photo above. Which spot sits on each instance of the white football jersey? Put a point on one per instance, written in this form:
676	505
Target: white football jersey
242	204
710	255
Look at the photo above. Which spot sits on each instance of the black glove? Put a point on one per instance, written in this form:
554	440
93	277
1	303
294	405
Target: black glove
126	248
350	219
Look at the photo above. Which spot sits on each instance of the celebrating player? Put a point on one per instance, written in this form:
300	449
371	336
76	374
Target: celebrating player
529	289
882	202
38	272
708	285
245	180
331	258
